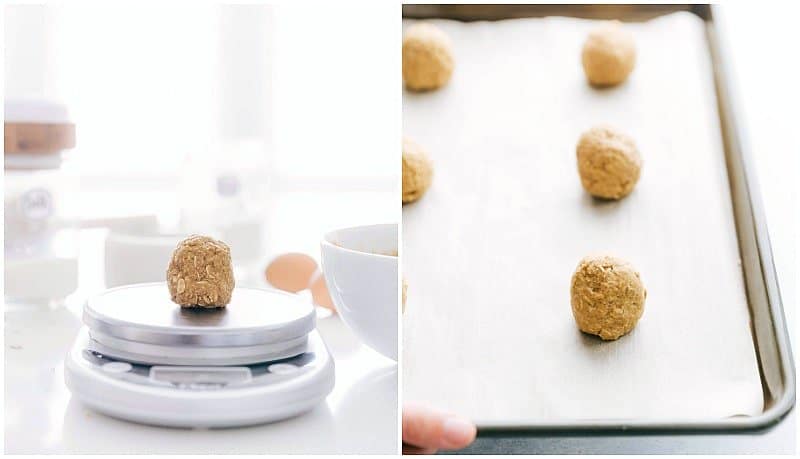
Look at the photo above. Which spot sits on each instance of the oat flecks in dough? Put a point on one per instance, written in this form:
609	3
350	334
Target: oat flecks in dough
609	163
417	171
200	273
427	57
609	54
607	296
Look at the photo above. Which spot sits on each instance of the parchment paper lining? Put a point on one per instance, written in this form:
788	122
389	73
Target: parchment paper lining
489	251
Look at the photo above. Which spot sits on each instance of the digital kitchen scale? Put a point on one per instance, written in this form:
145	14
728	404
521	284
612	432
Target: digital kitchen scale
143	358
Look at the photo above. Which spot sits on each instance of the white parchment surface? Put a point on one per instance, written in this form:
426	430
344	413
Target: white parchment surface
488	253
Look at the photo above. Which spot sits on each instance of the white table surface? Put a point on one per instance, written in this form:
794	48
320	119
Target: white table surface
766	88
359	416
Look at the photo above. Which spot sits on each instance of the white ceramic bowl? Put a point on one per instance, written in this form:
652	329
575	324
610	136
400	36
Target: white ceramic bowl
360	267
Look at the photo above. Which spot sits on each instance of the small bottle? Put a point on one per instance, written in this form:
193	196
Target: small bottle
225	193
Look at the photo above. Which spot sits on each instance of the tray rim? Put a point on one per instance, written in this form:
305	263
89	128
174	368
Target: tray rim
737	147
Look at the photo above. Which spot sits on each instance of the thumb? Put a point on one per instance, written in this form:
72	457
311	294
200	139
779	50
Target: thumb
426	428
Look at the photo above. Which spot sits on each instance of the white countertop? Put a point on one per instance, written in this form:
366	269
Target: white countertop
359	416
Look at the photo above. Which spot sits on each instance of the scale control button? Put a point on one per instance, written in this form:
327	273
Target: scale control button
117	367
282	368
205	386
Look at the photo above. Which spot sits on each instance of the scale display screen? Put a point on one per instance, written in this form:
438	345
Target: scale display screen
200	376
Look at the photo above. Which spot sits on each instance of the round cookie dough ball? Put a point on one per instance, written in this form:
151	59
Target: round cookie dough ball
427	57
607	296
609	54
608	163
417	171
200	273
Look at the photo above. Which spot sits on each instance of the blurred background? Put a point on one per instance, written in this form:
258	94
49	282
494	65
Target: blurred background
210	120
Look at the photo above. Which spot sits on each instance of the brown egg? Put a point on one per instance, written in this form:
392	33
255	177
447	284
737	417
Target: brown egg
319	291
291	271
405	293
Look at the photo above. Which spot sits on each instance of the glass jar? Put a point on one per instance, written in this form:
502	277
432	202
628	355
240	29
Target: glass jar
41	242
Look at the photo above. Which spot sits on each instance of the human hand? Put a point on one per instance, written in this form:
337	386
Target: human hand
425	430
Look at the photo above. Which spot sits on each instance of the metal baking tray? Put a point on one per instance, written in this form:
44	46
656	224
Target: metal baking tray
769	331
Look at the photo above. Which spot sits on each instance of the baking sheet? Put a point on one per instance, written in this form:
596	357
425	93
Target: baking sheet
489	251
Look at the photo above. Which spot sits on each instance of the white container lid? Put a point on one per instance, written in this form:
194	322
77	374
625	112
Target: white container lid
39	145
35	111
141	320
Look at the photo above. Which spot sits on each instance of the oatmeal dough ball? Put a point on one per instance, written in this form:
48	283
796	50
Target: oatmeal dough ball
609	54
427	57
200	273
607	296
608	163
417	171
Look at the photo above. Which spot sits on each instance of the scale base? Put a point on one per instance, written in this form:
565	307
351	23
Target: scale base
200	397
